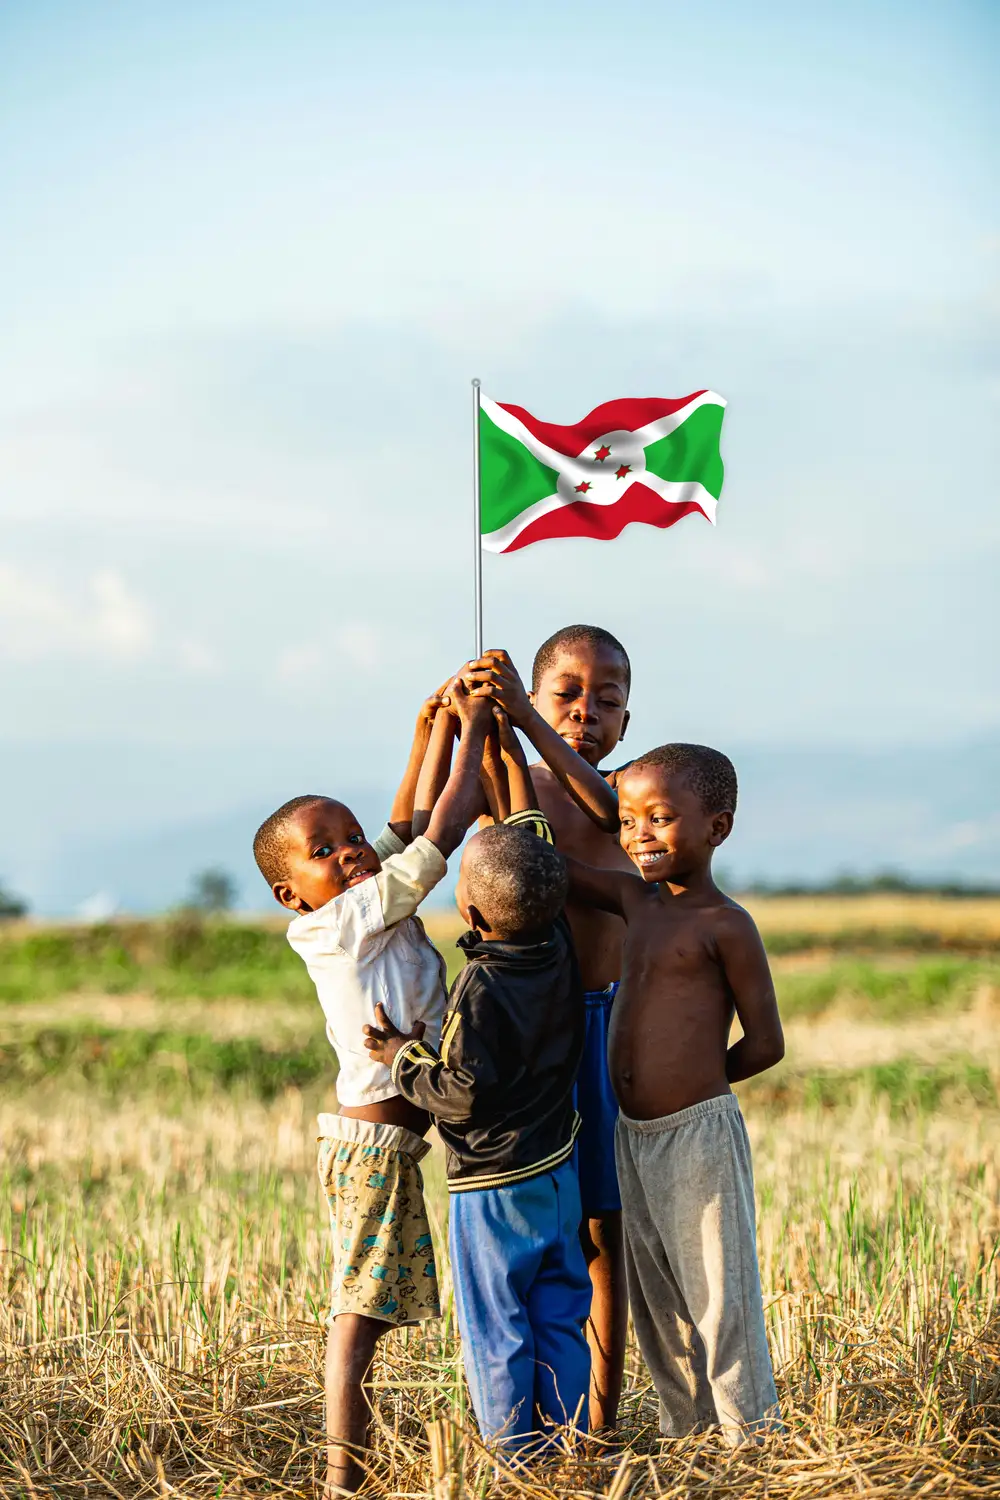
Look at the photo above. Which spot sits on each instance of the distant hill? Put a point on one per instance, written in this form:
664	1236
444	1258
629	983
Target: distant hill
128	826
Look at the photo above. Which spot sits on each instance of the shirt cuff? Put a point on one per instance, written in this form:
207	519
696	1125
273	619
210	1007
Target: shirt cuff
388	843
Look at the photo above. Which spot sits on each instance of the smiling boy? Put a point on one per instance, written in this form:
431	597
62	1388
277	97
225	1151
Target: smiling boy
575	715
355	927
692	959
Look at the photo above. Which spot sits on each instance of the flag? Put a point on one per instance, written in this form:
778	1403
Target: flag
650	459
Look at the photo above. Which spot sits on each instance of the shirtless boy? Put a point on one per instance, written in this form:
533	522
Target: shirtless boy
577	713
692	958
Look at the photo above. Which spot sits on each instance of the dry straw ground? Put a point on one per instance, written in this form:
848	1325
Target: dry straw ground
163	1254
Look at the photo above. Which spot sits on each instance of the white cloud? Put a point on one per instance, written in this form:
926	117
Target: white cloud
357	646
99	616
198	659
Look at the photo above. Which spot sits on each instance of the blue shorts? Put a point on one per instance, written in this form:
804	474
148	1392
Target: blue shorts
598	1110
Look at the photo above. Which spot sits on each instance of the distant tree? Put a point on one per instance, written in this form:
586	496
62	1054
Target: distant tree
212	891
11	906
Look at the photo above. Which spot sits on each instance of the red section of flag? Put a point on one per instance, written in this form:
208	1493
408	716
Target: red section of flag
611	416
605	522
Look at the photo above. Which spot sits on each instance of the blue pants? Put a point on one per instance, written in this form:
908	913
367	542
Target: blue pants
522	1295
598	1110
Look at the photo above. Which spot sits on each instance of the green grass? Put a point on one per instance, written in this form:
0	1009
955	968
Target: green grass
887	991
906	1085
180	1067
188	957
180	956
175	1065
885	939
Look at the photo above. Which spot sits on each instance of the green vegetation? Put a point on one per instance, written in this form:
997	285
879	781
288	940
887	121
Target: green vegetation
891	991
214	958
182	955
177	1066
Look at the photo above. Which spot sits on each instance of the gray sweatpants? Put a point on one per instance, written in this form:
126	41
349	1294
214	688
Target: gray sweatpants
691	1264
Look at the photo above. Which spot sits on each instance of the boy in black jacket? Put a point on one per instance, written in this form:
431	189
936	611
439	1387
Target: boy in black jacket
501	1094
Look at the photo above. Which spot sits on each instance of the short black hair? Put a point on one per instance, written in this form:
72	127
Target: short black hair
271	839
574	635
516	880
712	775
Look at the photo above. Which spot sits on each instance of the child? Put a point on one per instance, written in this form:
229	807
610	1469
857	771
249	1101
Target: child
578	711
365	949
692	957
501	1094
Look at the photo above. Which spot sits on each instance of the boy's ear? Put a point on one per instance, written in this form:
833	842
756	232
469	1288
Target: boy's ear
477	920
285	896
625	718
722	827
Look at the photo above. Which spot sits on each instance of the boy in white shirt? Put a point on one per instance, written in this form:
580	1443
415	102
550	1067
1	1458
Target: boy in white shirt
363	946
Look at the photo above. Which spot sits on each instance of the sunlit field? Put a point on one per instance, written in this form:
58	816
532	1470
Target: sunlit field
163	1242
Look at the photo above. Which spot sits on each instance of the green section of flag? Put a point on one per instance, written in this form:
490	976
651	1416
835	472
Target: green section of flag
691	451
511	478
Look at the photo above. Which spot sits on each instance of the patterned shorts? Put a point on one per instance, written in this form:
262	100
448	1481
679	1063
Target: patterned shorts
383	1257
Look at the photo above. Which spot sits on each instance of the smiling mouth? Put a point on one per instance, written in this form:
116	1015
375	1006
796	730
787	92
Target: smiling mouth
642	860
357	877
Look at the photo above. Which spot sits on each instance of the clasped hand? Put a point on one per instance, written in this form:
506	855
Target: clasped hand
385	1040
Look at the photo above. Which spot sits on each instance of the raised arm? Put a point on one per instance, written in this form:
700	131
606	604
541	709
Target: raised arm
745	963
520	787
494	778
401	816
458	803
435	768
495	674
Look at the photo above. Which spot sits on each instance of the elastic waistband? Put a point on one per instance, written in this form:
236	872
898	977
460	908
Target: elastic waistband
517	1175
594	998
725	1104
372	1133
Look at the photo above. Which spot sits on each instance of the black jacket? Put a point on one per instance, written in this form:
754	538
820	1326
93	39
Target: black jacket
501	1088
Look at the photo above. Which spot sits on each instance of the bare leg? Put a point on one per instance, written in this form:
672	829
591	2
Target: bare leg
350	1350
601	1239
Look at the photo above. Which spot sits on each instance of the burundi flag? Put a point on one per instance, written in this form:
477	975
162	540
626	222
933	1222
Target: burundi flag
651	459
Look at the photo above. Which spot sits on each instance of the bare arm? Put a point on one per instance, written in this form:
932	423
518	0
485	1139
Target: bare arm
434	770
458	803
745	963
401	816
495	674
520	787
495	782
608	890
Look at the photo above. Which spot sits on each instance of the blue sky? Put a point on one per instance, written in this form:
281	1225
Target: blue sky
250	256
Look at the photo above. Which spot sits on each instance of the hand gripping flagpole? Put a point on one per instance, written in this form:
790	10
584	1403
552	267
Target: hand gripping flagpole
477	519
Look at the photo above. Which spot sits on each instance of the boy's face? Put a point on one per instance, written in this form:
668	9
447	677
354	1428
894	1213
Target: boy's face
325	854
583	695
665	829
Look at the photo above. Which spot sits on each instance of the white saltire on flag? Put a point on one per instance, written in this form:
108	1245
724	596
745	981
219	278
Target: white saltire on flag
649	459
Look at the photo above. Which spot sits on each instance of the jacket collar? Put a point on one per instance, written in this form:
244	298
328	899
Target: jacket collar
474	946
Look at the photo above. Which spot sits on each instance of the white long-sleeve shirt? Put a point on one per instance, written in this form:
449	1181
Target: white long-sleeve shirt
366	947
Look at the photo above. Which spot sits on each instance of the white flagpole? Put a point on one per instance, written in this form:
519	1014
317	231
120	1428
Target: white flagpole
477	519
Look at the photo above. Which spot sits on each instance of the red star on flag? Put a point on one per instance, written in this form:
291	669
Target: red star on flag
581	489
623	470
602	453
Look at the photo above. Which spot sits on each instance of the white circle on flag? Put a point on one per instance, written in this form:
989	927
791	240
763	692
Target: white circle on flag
602	477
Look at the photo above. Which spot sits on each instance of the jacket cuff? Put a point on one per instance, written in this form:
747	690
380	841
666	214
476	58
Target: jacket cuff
534	821
399	1059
